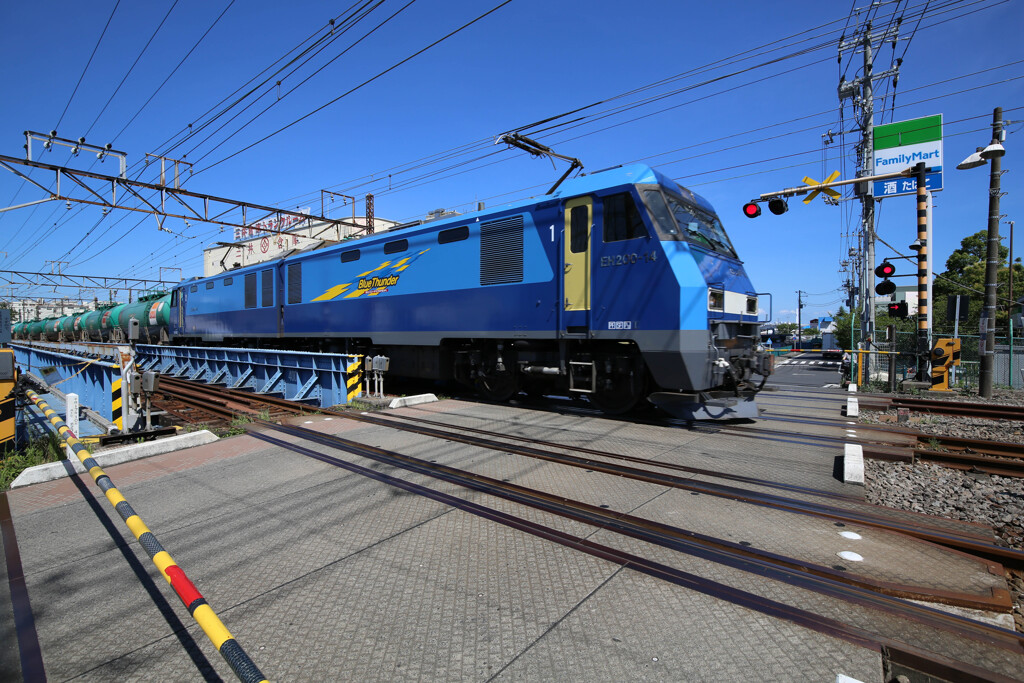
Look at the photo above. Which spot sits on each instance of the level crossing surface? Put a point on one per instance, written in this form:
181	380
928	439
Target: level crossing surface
322	574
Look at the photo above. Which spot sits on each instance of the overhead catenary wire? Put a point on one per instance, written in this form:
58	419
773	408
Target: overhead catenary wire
361	85
88	62
488	143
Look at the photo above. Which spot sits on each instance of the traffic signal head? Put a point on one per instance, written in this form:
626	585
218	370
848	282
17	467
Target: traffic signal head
898	309
751	210
886	270
885	288
778	206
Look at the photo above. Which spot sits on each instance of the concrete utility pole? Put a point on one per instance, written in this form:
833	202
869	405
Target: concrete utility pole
992	259
861	91
799	319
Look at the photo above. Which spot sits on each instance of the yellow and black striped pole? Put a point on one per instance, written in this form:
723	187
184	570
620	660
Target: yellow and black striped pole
194	602
8	412
354	377
922	272
116	412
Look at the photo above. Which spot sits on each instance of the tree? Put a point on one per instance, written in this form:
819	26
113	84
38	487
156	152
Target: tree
965	274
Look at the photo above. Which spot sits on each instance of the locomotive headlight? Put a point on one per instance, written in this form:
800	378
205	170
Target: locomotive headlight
751	305
716	300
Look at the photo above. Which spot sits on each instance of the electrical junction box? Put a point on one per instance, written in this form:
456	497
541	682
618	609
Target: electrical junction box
381	363
150	382
133	329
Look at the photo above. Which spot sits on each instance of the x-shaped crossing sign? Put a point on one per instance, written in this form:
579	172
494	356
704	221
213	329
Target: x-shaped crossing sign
829	192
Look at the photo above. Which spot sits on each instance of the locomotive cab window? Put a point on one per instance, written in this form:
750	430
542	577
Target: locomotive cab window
579	228
228	281
622	220
194	288
677	220
209	285
350	255
396	246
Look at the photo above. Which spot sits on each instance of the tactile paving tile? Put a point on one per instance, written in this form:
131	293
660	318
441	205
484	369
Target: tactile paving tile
453	599
1008	662
645	629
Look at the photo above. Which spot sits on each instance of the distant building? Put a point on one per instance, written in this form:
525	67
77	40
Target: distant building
257	244
908	294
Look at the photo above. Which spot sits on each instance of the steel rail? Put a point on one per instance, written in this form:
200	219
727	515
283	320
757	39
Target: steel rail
975	545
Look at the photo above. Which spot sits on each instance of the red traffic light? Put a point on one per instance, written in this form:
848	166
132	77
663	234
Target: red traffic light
751	210
886	269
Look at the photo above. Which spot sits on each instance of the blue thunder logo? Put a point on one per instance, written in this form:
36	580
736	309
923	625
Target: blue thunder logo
372	282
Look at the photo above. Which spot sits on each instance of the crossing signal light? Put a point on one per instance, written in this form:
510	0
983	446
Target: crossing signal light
778	206
751	210
885	271
898	309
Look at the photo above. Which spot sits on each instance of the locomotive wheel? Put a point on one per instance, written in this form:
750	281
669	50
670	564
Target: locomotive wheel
498	387
624	393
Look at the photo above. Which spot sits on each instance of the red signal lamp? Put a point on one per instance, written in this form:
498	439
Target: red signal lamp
886	269
751	210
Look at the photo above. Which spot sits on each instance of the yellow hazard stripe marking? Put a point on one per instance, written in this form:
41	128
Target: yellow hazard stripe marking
115	497
137	526
211	625
163	560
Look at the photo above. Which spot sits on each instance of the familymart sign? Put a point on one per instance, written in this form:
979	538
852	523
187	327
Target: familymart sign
900	145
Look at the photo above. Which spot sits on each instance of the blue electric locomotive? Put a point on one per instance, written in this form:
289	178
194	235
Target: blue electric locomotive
620	286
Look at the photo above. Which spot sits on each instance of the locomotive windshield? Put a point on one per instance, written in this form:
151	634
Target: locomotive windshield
680	221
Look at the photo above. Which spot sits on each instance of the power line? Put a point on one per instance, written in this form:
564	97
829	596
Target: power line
132	67
361	85
100	40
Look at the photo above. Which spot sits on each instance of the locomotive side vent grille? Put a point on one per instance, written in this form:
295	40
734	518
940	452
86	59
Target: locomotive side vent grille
295	283
250	290
501	251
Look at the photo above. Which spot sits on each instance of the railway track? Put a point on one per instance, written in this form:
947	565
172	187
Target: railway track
882	402
728	554
228	404
196	400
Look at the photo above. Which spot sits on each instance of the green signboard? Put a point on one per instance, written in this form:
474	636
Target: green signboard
901	145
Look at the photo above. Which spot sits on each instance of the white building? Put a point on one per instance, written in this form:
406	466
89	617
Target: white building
255	244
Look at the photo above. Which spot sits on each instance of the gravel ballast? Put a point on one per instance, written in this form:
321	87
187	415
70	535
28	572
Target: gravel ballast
957	494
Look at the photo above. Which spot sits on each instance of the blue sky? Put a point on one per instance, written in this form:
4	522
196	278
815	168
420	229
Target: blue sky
430	122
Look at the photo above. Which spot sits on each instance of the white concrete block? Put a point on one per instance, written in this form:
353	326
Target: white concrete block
412	400
852	407
113	456
853	464
851	387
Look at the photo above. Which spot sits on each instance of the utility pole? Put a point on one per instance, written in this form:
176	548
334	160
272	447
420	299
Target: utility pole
799	319
861	91
992	260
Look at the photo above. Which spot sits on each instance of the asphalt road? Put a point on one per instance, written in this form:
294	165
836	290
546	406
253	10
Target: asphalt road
808	369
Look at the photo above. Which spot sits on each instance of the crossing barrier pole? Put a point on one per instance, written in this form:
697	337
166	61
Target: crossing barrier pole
245	669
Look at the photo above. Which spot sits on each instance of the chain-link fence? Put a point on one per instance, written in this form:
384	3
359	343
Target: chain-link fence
899	358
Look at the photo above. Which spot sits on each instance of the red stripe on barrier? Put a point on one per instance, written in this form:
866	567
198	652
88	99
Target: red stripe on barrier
182	586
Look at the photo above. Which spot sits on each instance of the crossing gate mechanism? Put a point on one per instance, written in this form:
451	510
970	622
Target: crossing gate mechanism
945	354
